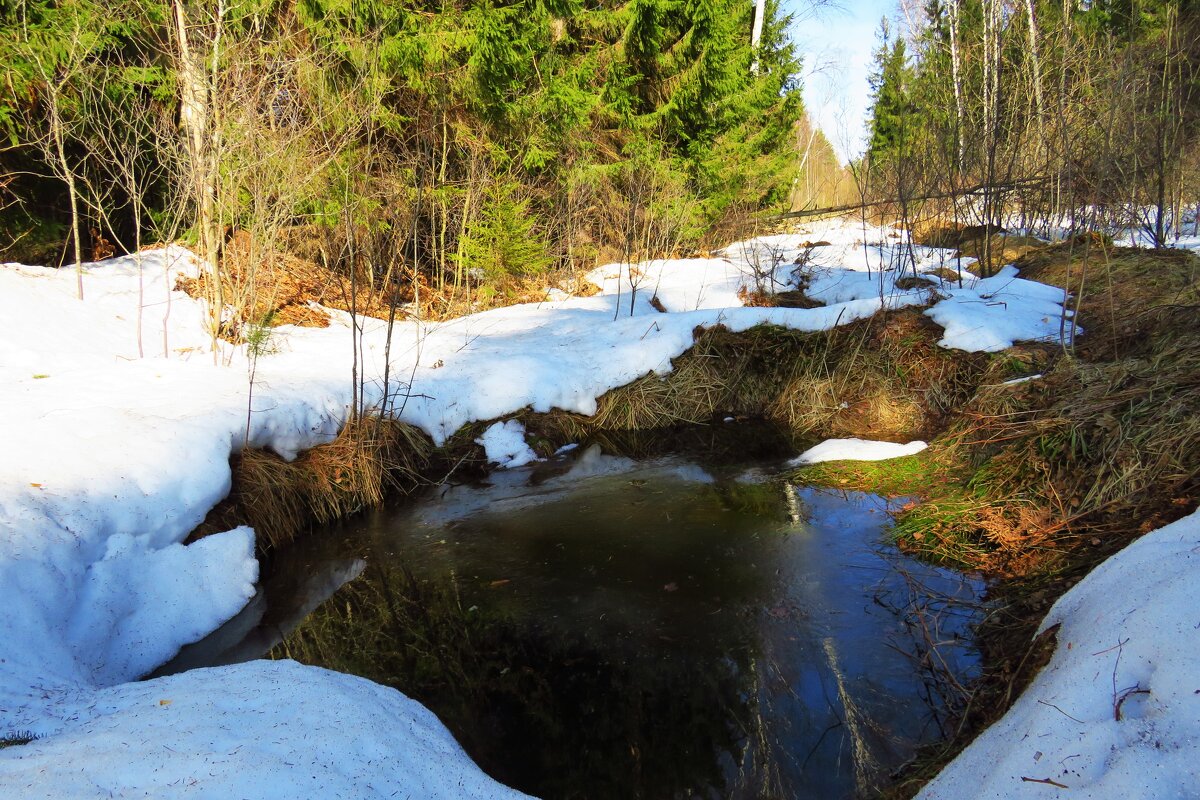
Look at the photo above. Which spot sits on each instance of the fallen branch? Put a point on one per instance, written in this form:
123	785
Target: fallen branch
983	187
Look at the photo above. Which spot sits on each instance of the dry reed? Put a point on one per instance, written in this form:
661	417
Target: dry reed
280	499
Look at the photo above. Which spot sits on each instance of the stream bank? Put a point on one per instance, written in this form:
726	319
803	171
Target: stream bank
1032	481
597	627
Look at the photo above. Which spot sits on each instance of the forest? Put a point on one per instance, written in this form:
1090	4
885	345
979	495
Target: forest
1041	114
436	154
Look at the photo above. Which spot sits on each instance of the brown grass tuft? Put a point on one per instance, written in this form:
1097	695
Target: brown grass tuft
883	378
280	499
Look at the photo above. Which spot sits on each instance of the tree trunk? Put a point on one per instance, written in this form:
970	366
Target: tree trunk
195	126
956	74
760	11
1036	64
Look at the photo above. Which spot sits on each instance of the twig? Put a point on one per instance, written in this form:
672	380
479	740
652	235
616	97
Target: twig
1047	781
1059	710
1137	689
1116	646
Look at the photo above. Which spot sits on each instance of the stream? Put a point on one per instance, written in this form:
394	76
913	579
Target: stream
596	626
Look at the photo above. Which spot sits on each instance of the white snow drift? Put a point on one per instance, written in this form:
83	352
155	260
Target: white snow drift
1116	713
855	450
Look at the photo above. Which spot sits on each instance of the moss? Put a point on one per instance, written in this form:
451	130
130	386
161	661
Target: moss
911	475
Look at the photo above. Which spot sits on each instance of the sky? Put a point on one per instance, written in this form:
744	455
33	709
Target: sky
836	42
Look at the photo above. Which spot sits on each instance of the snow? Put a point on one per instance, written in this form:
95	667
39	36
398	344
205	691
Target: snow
264	729
504	443
1023	379
119	426
855	450
1187	238
1116	712
991	314
839	264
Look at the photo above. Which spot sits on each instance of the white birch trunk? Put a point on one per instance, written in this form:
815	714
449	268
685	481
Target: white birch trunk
760	11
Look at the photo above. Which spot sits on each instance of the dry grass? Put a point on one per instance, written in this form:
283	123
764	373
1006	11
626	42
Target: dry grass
974	240
879	378
282	286
280	499
884	378
1057	474
724	373
1112	437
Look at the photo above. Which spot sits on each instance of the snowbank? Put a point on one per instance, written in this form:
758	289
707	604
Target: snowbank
1116	712
846	264
264	729
118	433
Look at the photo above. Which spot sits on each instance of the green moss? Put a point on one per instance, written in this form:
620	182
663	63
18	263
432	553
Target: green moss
911	475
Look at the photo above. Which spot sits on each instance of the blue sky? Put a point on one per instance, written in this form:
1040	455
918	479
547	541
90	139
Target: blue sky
836	42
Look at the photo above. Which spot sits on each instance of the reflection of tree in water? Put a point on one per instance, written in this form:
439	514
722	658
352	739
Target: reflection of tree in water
718	446
651	633
552	713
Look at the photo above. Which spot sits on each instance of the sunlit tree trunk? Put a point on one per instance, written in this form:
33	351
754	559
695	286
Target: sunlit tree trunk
195	120
1036	64
956	77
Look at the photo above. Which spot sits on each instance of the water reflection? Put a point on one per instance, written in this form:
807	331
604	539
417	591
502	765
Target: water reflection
292	592
609	628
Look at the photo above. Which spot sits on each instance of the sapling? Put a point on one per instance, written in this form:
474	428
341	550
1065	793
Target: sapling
259	341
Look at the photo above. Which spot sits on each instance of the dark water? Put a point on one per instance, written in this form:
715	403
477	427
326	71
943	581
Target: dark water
604	628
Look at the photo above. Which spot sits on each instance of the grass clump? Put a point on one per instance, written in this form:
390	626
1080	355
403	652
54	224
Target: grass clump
895	477
882	377
17	738
369	458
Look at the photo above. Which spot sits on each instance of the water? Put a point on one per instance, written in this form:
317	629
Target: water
599	627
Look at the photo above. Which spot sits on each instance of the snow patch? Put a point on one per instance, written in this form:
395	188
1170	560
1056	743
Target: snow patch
855	450
1116	712
505	445
263	730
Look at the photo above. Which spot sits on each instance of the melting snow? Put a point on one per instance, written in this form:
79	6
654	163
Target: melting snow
1116	712
855	450
504	443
